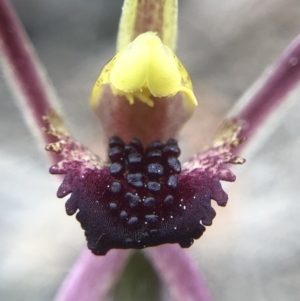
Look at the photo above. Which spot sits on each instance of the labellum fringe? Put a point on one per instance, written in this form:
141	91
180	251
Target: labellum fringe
142	197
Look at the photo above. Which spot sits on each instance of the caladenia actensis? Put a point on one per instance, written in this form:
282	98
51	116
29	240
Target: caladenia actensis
141	195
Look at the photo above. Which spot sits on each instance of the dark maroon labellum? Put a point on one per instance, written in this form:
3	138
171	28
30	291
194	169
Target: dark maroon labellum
142	199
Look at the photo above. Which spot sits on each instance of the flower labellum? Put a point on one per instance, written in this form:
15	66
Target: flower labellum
142	197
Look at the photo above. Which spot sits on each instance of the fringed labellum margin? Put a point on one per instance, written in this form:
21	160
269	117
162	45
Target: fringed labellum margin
142	198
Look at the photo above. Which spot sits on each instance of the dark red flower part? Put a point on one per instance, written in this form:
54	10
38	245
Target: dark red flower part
142	198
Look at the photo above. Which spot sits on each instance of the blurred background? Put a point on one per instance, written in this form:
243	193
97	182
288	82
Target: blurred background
252	252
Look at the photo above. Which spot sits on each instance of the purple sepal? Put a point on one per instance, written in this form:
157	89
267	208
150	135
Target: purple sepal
181	276
92	278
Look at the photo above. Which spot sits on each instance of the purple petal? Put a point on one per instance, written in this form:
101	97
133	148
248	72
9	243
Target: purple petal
179	273
76	156
261	102
213	161
24	72
92	278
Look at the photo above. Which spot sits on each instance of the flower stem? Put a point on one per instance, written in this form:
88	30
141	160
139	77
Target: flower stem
92	277
25	74
179	273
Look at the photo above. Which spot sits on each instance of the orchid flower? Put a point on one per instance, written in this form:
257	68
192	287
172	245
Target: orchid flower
141	195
